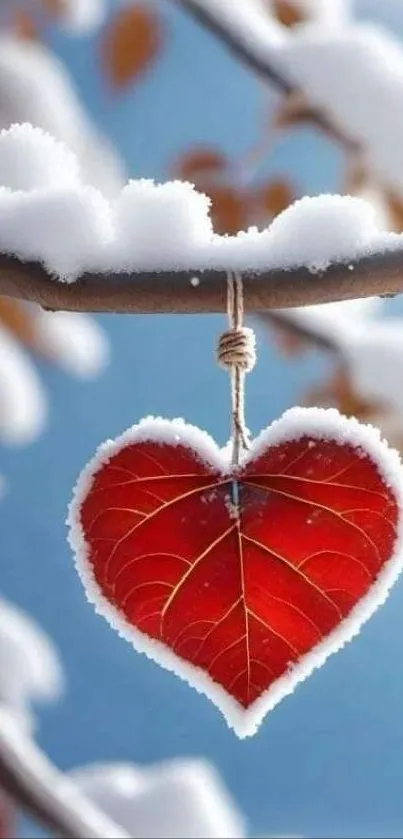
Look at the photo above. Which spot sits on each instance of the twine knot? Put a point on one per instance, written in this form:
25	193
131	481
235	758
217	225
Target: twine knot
236	348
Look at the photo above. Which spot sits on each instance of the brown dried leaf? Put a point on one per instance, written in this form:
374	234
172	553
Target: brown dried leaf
17	320
130	43
24	26
287	12
357	176
339	392
55	8
288	342
229	209
275	196
395	209
200	162
293	110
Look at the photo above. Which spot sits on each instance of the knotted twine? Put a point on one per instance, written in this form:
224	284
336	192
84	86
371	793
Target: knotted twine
236	353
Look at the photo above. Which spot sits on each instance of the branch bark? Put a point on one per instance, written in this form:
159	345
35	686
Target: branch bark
380	274
29	778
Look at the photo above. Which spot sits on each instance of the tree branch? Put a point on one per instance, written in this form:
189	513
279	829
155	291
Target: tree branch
168	291
29	778
241	47
261	62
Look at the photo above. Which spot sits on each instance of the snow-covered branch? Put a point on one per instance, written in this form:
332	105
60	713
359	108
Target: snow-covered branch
345	76
192	291
259	41
30	778
153	248
249	35
176	799
30	670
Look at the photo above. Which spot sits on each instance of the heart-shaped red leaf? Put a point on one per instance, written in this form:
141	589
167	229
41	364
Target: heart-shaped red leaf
241	581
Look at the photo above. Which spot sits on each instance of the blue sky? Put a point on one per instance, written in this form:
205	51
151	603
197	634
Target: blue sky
327	762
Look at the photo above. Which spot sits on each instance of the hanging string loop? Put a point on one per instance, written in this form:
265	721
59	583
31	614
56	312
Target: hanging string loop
236	353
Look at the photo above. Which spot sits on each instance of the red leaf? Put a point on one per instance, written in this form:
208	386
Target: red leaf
243	591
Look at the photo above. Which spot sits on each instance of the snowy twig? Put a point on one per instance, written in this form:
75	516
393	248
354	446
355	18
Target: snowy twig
29	778
240	47
260	61
169	291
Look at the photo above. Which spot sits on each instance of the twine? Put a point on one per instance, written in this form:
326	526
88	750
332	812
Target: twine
236	353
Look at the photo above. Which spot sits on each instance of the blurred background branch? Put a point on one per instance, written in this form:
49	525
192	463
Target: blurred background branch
245	46
242	44
30	779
